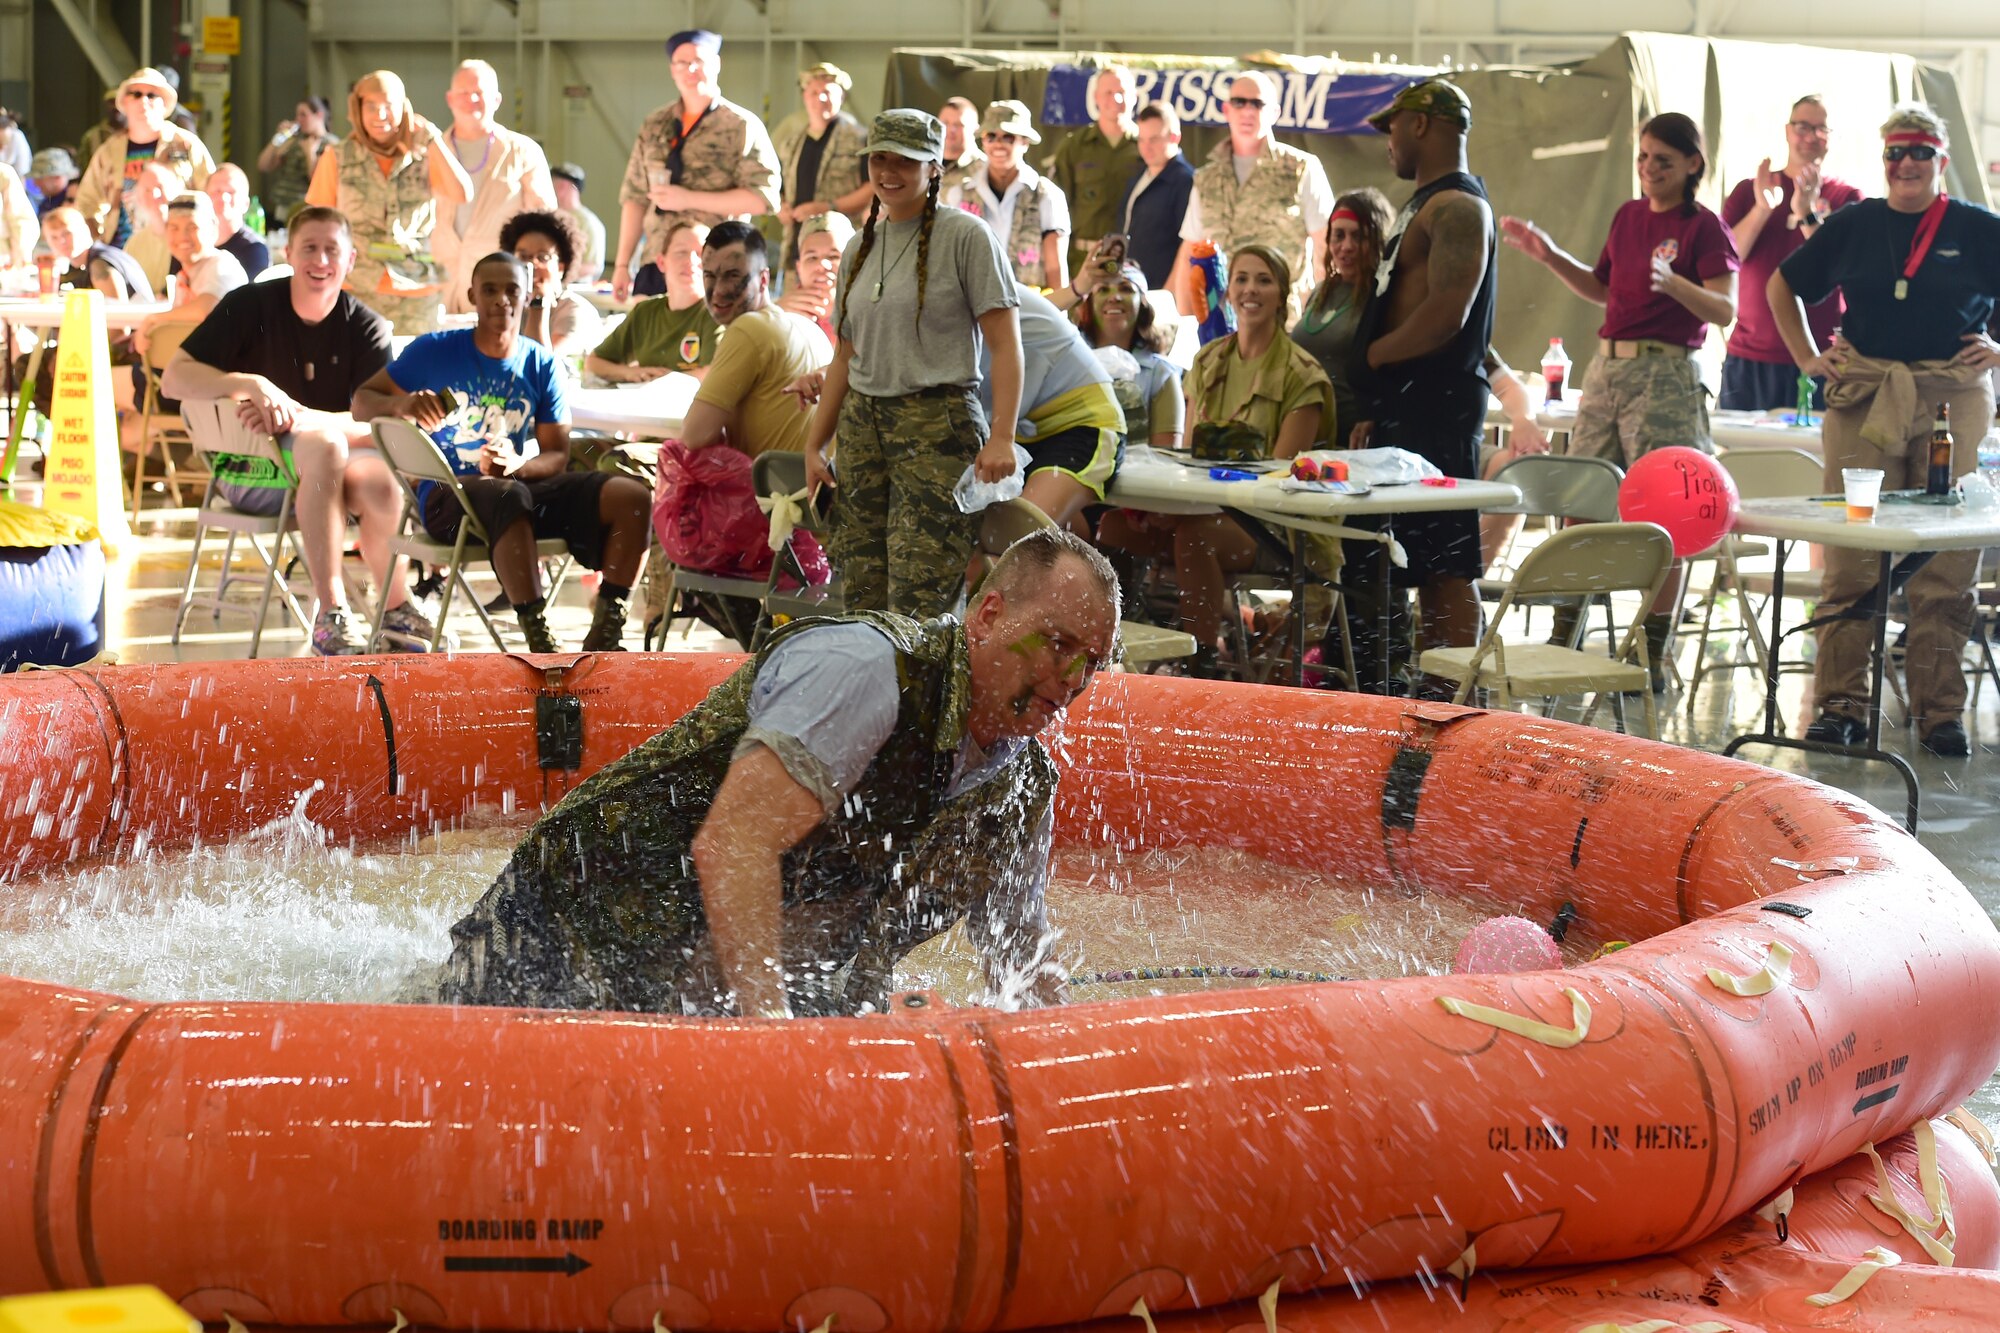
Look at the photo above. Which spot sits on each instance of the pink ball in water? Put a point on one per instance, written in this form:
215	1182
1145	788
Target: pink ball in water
1683	490
1507	944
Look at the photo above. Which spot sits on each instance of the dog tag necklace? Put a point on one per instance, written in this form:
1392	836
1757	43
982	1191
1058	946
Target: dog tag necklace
889	266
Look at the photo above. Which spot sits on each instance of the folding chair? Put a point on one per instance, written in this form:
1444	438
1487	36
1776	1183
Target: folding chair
414	457
1591	560
215	428
1563	489
775	473
158	426
1759	474
1140	645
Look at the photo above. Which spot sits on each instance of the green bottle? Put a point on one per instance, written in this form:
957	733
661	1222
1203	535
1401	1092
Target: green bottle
1804	415
253	216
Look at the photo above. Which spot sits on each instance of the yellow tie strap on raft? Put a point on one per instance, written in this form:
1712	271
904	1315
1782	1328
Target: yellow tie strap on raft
1777	968
1777	1210
1143	1315
1976	1130
1655	1326
826	1324
1548	1034
1267	1305
402	1320
1938	1234
1465	1265
786	512
232	1324
1872	1263
659	1325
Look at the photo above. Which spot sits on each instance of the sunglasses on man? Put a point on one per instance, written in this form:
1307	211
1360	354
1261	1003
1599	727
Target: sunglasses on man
1921	152
1239	103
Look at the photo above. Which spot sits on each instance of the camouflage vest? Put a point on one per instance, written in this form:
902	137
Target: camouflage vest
1024	237
392	217
1263	210
600	906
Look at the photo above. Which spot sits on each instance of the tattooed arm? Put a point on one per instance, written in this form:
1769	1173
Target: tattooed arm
1459	228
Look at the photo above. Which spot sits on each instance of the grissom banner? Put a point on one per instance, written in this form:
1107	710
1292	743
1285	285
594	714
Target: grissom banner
1312	103
82	474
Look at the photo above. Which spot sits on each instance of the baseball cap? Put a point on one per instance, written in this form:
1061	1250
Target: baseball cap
1432	97
835	225
831	72
568	171
907	133
700	38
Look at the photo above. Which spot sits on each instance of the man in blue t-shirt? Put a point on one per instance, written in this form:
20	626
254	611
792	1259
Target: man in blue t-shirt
507	435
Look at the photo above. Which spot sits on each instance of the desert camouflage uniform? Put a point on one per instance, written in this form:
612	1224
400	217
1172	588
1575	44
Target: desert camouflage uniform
393	216
1264	210
728	148
1023	241
1635	404
600	907
899	540
841	168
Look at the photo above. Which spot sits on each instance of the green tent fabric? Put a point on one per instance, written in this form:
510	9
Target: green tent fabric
1555	143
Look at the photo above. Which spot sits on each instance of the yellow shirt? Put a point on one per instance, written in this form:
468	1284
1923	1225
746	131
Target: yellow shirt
758	354
1092	405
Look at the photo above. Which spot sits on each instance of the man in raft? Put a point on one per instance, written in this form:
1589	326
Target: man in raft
862	784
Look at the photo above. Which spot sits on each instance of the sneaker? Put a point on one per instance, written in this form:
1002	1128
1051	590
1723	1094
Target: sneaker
336	635
1837	729
1948	741
409	630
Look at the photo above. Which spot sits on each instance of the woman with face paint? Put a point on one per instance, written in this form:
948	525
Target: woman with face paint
918	292
1667	272
389	176
1920	273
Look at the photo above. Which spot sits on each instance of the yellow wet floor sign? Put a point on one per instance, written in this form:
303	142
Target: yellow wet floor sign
108	1310
82	475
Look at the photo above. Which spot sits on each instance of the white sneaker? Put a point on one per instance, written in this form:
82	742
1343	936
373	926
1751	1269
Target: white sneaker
408	630
336	635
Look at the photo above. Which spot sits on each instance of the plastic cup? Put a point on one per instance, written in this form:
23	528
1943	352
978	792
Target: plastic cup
1864	492
45	273
659	177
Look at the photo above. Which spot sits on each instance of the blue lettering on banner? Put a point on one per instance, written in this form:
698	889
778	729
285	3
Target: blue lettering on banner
1311	103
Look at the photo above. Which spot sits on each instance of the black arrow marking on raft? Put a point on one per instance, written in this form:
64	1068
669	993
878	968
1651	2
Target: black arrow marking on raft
1877	1098
568	1264
1576	848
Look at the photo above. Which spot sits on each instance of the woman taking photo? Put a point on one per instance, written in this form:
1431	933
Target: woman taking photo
918	291
288	160
1252	395
1111	310
390	176
1920	273
1667	272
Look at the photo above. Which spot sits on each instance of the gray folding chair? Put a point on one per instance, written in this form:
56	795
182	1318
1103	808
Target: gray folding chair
1588	561
1562	489
414	458
215	429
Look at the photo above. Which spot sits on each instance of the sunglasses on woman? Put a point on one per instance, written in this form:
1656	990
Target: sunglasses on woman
1921	152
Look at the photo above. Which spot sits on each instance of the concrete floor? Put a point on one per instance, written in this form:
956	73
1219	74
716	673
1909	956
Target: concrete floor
1961	799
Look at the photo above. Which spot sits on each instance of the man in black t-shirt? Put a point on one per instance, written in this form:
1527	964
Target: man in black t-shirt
292	354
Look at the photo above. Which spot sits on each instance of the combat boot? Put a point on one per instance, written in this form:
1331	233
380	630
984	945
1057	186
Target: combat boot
607	625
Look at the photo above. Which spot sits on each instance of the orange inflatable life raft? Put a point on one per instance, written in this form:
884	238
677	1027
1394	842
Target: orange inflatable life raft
1806	981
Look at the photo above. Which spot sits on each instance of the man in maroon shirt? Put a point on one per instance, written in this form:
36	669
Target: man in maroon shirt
1771	215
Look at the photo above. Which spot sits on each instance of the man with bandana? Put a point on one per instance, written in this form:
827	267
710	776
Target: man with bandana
860	785
702	157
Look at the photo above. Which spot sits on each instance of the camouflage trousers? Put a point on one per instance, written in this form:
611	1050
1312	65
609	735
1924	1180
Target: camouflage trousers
899	540
1635	404
407	315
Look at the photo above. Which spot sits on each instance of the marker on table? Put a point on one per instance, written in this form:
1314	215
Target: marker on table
1230	474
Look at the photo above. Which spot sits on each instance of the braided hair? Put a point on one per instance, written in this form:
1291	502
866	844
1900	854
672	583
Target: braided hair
924	243
860	258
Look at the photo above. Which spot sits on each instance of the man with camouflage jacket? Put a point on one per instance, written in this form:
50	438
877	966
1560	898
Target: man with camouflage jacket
861	785
703	157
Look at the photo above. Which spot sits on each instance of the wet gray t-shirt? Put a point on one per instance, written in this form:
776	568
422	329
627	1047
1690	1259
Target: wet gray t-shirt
966	276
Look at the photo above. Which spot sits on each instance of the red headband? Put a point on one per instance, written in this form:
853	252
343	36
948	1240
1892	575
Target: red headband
1914	136
1347	213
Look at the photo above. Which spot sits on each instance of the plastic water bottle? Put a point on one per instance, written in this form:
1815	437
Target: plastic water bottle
1803	416
253	216
1555	369
1217	319
1989	458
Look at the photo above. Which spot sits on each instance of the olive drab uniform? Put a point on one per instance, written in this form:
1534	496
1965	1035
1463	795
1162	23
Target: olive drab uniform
727	149
1267	209
600	907
841	169
1093	175
395	274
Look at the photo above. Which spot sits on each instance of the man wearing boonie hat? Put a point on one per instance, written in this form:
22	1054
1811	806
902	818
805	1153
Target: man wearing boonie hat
568	179
819	153
51	179
1255	190
701	157
147	98
1026	211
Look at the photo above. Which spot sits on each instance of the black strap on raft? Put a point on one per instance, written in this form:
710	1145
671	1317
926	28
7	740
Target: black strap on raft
1565	918
1786	909
558	723
388	727
1401	788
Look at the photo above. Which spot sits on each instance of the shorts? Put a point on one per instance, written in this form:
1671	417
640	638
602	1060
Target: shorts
1088	455
1444	424
564	506
1763	386
1635	404
255	485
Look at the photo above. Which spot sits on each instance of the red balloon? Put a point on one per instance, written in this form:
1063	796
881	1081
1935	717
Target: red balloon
1685	491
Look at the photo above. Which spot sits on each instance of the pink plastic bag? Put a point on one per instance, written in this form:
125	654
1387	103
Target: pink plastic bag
706	516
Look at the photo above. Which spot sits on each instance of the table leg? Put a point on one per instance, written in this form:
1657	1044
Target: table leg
1385	620
1298	629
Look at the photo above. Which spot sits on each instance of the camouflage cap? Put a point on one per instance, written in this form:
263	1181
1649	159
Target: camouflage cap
835	225
1432	97
53	162
832	73
1009	117
907	133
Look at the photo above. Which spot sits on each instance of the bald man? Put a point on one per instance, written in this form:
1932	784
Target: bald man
229	190
509	172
